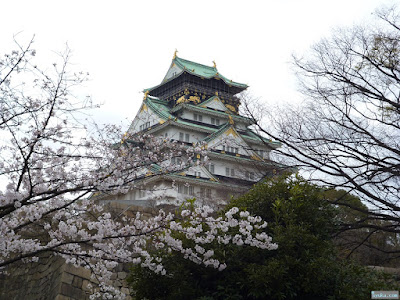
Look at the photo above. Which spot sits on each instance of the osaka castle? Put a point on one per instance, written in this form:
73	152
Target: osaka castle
196	105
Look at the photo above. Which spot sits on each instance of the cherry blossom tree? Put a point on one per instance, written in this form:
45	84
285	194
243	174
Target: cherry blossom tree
51	165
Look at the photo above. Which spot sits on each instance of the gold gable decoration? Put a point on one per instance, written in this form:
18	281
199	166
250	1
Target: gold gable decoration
144	107
231	108
181	100
255	157
193	99
231	131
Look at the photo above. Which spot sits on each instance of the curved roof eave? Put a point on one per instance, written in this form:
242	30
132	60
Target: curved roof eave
198	70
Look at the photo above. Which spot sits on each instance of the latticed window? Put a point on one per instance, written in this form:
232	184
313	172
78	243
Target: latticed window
230	172
202	192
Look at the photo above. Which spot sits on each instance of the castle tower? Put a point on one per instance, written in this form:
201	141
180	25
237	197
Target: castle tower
196	105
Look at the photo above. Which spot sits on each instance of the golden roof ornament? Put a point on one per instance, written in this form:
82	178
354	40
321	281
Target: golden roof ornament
215	65
231	120
231	108
194	99
182	99
146	93
175	53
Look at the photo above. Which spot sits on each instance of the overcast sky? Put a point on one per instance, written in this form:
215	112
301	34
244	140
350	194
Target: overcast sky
127	46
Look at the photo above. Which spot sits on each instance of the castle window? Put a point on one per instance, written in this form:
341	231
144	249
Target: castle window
197	117
191	191
184	189
142	193
230	172
249	175
181	135
214	121
208	193
187	137
210	168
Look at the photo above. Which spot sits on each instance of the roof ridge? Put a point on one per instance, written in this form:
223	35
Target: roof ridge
195	63
211	136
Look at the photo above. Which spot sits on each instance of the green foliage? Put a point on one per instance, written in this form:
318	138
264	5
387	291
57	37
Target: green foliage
305	266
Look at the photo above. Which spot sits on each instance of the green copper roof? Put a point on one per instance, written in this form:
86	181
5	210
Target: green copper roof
204	71
199	70
217	133
162	109
210	111
250	135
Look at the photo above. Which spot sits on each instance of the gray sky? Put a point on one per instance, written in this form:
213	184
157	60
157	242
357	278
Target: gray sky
127	46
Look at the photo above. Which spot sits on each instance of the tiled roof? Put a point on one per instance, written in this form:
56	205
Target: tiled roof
201	71
211	111
204	71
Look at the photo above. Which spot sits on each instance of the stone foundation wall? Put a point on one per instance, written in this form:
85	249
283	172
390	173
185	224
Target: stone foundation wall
51	278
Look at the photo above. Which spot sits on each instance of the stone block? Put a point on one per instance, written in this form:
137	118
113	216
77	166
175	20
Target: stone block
81	271
125	291
70	268
67	278
77	282
86	284
117	283
62	297
121	275
72	292
84	273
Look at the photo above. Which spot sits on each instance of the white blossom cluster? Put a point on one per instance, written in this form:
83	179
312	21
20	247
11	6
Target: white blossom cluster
51	170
